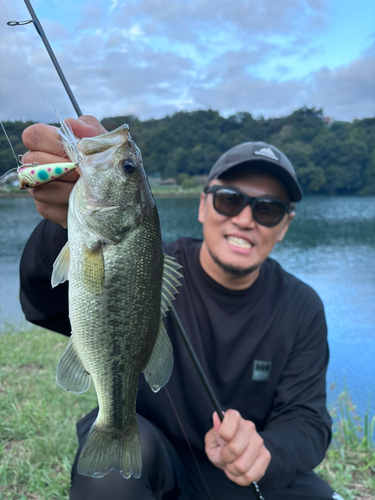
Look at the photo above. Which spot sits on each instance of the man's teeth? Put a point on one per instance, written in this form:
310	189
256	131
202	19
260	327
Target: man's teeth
239	242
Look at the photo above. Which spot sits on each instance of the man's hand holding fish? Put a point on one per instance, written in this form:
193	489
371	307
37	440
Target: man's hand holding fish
45	147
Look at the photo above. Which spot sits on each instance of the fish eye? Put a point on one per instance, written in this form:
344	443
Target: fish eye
128	166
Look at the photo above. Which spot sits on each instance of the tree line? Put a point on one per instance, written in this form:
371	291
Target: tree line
329	157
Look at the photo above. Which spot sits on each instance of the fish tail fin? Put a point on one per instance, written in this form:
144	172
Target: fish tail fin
107	449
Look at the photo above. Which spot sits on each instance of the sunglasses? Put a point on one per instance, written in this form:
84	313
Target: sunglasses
230	201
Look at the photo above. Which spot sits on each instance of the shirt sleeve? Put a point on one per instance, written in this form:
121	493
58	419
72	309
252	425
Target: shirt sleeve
298	430
43	305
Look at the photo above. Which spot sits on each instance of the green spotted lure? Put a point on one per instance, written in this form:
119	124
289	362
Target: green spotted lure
34	175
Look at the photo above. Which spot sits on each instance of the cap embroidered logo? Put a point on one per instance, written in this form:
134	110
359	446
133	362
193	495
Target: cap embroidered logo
267	152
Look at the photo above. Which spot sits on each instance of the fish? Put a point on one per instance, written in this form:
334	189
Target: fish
121	285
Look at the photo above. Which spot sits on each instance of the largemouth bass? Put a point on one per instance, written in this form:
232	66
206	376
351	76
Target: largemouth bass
120	287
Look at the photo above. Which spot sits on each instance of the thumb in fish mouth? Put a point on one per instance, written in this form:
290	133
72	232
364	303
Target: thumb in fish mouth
85	126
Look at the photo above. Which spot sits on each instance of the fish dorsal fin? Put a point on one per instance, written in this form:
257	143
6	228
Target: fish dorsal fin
159	366
60	272
170	283
71	374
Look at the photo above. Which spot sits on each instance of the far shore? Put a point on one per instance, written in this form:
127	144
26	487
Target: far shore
157	192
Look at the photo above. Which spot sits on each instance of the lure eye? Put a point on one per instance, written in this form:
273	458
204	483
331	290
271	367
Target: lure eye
128	166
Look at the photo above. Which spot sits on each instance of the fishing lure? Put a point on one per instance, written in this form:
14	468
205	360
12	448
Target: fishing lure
32	175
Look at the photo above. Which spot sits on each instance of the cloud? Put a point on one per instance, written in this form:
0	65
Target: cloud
348	91
154	57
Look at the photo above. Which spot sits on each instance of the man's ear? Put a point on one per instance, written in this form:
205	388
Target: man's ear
202	208
285	226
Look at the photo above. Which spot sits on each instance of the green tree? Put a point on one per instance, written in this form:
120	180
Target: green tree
312	179
369	177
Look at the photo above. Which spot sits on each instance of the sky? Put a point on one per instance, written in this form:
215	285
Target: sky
151	58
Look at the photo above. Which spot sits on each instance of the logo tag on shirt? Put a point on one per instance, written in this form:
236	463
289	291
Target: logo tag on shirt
261	370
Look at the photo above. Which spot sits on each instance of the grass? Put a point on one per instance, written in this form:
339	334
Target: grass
37	426
349	465
37	418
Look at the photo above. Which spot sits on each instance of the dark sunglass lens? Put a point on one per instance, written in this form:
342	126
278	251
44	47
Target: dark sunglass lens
268	212
228	202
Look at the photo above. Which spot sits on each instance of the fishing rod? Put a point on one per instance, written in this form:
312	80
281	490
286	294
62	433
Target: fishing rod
176	320
206	384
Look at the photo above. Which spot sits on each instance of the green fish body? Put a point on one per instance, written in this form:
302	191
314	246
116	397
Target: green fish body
120	287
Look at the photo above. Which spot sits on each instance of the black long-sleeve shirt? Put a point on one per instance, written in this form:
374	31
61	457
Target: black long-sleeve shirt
264	350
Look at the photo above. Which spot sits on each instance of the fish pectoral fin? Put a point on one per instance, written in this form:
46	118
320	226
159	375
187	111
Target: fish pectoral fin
170	282
60	272
107	449
93	268
71	374
159	366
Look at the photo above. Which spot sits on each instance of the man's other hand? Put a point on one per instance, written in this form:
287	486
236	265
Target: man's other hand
235	447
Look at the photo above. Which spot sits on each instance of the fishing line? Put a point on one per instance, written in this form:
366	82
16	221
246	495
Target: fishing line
11	147
188	443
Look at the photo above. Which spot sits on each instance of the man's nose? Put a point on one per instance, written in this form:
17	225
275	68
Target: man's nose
245	217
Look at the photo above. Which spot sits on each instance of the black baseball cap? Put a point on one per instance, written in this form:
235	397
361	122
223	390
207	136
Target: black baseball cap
262	156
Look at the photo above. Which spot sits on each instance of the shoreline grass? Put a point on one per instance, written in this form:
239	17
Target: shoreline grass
37	425
349	465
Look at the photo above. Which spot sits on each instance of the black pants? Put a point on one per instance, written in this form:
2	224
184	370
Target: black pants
168	476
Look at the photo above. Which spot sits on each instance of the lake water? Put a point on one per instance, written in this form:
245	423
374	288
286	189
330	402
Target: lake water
330	246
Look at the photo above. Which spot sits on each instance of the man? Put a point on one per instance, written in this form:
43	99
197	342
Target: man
259	333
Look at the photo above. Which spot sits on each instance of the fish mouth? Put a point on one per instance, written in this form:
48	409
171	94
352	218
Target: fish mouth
239	242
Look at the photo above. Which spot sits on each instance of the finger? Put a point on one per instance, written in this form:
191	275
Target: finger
54	213
210	438
85	126
256	471
245	438
42	137
245	460
216	421
44	158
230	425
45	138
53	193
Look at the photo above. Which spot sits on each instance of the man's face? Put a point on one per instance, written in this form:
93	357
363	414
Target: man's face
234	247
